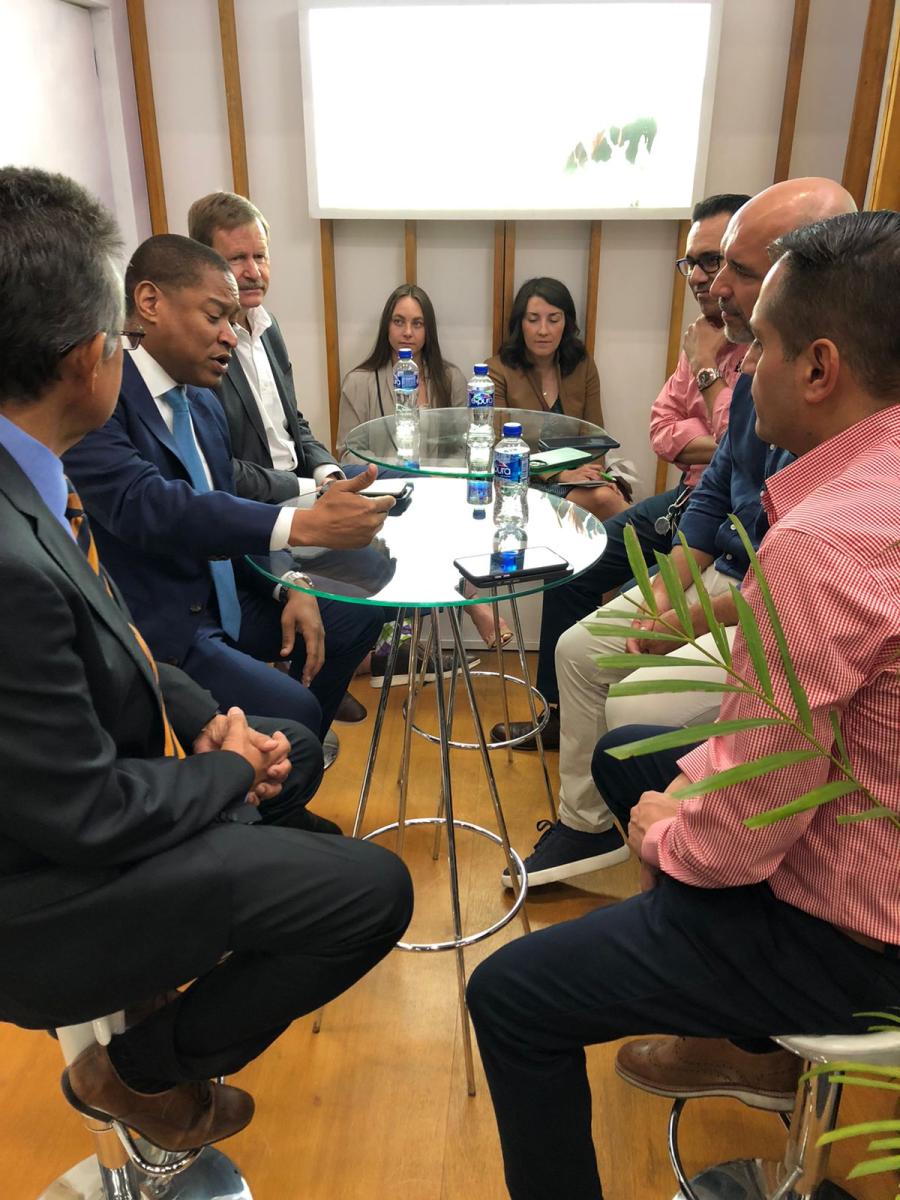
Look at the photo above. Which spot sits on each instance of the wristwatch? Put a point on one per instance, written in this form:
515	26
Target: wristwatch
283	591
707	376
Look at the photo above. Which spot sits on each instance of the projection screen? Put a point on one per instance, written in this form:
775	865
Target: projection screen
551	110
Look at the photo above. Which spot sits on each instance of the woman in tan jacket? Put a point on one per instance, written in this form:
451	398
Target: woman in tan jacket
543	365
407	322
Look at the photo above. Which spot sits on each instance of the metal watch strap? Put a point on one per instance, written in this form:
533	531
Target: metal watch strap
284	590
706	377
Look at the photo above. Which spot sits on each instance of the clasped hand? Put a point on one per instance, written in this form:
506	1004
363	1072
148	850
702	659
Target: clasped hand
267	755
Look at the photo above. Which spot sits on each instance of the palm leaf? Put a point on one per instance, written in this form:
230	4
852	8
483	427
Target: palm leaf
675	588
835	720
883	1016
716	628
885	1144
631	662
686	737
653	687
849	1131
874	1166
870	814
744	771
639	568
799	695
629	631
812	799
754	644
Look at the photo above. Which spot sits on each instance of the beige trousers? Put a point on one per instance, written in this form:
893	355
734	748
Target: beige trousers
585	712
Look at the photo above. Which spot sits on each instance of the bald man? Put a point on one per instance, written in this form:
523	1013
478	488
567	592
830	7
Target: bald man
585	839
689	958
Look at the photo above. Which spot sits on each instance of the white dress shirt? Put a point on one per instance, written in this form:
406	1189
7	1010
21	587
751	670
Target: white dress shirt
158	381
257	369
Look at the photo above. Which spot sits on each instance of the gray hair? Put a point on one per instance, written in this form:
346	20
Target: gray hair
59	249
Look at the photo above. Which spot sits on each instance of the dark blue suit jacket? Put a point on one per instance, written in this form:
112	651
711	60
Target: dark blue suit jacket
154	532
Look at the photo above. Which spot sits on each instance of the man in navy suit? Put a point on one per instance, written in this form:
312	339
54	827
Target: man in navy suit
157	481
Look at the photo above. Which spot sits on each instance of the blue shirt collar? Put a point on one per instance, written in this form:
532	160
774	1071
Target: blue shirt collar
40	465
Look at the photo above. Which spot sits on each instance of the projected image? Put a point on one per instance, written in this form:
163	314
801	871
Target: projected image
481	110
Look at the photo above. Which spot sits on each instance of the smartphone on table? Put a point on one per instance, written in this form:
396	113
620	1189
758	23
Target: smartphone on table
534	562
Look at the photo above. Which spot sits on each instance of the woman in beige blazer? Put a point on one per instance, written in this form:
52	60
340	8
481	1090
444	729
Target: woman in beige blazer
407	322
543	365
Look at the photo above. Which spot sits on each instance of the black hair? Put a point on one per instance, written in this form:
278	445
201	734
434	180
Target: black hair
713	206
59	250
840	282
170	261
571	349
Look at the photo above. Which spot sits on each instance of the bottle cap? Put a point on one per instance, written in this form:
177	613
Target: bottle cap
405	354
479	514
512	429
480	369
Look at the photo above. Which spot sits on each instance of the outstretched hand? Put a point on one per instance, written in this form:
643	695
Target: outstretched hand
341	518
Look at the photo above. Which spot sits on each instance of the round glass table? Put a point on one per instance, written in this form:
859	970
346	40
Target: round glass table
442	438
409	567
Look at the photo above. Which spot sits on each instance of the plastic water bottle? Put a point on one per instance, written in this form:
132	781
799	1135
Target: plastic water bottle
511	465
406	406
480	435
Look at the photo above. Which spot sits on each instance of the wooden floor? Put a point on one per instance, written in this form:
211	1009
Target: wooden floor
375	1106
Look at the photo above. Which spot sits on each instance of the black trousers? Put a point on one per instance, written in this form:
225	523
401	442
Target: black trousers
565	605
730	962
303	916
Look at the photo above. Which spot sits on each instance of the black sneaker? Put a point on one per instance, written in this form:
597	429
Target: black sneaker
563	853
401	667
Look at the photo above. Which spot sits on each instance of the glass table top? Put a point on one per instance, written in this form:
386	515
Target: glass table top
410	563
442	438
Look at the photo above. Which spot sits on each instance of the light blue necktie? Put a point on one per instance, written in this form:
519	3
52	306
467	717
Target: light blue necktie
221	569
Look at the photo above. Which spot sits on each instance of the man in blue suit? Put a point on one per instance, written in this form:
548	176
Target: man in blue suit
158	484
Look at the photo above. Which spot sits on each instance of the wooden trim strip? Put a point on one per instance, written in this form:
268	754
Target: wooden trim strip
593	284
886	186
329	301
499	328
143	87
869	85
791	91
509	269
410	251
676	317
234	103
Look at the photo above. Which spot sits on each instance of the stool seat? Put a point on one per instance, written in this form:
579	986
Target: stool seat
878	1049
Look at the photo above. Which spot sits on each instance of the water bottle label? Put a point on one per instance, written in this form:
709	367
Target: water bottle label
406	381
513	469
481	399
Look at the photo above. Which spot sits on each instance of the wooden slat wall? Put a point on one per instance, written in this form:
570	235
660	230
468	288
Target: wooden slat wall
791	91
593	290
143	86
676	316
233	98
886	184
869	85
410	251
504	278
329	302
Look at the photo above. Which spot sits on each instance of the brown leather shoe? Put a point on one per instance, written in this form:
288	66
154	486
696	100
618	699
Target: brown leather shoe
687	1067
549	734
350	711
182	1118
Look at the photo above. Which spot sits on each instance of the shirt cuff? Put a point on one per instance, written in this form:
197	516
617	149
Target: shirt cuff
306	491
325	471
281	530
652	838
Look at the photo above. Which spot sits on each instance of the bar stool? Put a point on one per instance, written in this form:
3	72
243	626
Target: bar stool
800	1175
125	1167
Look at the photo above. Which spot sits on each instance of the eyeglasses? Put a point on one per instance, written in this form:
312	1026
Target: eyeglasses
708	263
133	337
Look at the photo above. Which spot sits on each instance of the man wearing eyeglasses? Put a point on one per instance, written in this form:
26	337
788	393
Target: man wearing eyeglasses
690	414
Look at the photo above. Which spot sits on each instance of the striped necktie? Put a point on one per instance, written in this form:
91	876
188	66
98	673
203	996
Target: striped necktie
81	530
221	569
